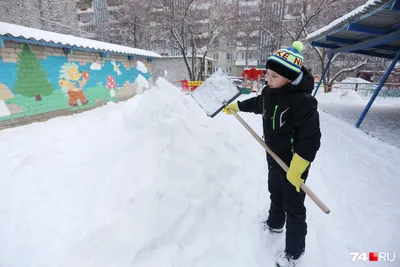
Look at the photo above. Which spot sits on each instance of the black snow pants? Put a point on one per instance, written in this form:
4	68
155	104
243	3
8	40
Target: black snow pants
287	205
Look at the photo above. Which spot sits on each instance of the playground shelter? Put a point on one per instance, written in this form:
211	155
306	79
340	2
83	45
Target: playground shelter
372	29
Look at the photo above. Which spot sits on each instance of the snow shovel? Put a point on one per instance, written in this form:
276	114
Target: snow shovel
218	91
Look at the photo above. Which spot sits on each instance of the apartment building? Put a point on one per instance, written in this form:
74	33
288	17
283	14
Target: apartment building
200	13
256	35
56	16
97	16
167	45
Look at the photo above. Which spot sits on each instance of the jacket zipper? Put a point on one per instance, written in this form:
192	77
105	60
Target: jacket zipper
291	142
273	118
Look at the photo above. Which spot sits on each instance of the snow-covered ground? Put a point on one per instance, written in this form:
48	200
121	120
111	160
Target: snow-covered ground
382	120
155	182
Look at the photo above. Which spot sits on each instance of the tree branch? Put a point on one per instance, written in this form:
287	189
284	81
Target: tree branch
347	70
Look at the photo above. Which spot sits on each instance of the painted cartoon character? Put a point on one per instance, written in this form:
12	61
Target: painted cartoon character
72	82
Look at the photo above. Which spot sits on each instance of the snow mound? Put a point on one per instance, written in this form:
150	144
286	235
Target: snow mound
354	80
353	83
344	97
351	96
141	183
153	181
142	82
141	66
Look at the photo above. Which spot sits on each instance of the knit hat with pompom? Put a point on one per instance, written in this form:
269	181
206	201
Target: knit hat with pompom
287	61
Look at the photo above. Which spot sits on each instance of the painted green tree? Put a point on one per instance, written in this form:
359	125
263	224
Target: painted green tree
31	78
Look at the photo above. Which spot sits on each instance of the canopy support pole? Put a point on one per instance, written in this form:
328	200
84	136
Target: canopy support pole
378	89
323	74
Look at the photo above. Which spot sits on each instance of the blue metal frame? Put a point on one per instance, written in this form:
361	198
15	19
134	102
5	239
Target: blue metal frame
369	43
323	74
319	44
396	6
373	39
67	51
388	4
67	48
341	40
368	29
373	54
377	90
356	41
361	52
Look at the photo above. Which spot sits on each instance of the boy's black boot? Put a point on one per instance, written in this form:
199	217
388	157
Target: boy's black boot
288	260
272	229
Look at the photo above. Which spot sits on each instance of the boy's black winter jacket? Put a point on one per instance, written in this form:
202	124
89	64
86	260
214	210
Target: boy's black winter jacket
290	118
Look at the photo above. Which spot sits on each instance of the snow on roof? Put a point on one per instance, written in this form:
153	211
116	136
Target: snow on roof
188	56
13	30
356	13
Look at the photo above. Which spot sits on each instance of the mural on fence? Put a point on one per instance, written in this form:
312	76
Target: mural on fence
31	78
32	86
72	82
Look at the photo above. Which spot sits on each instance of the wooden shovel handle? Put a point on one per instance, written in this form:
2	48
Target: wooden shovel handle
281	163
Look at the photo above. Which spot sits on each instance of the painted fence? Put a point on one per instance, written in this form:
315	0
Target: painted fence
39	82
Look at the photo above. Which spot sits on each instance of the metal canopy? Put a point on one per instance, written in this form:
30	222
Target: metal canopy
372	29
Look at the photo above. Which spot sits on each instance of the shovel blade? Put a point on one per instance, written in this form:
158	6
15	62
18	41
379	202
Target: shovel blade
215	93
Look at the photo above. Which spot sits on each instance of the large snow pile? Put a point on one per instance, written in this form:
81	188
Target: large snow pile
155	182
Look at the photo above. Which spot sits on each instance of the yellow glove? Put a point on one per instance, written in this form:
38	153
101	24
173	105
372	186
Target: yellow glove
233	106
297	166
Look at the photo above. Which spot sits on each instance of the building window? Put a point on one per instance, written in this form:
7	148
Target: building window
114	2
240	55
90	29
160	43
229	56
215	56
113	15
85	17
83	4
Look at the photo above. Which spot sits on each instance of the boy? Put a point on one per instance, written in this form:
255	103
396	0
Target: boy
291	130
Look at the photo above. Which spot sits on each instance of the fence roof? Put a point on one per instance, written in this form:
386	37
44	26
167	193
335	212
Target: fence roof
16	32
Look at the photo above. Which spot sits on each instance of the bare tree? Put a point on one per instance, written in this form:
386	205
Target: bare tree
195	26
51	15
132	24
305	16
247	19
271	17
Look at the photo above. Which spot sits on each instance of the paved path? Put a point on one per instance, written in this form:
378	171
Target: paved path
382	121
